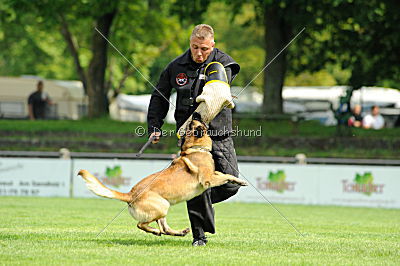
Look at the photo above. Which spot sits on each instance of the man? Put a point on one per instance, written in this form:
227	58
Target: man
356	119
37	103
185	75
374	119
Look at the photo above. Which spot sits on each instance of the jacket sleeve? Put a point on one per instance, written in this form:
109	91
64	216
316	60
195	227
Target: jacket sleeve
159	103
228	72
232	69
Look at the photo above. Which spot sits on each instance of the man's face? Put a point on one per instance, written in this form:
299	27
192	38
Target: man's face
357	109
375	111
40	86
201	49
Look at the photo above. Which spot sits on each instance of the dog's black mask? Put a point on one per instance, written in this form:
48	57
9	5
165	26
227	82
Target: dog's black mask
196	116
198	132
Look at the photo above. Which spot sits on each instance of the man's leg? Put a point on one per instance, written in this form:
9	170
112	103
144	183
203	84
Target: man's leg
225	160
201	216
200	210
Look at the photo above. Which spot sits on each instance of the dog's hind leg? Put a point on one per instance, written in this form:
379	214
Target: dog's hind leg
149	208
162	230
162	223
145	227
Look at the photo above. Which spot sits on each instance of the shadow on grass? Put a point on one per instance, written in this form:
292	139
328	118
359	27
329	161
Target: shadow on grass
157	241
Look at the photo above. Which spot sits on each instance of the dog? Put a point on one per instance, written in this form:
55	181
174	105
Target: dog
188	176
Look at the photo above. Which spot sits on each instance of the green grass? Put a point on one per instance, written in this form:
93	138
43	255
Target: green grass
63	231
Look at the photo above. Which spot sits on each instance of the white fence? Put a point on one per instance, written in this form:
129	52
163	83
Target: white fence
370	186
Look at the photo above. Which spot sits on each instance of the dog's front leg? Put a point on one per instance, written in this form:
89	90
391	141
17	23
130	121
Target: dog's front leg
218	179
232	179
193	168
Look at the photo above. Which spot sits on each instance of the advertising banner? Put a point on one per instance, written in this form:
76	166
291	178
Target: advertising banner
370	186
279	183
364	186
120	175
35	177
367	186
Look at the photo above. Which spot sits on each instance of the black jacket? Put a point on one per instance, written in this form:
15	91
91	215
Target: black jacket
181	74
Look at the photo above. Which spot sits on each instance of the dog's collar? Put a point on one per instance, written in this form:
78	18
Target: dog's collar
197	147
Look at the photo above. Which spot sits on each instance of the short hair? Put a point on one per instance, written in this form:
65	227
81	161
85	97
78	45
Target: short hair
40	83
374	107
203	31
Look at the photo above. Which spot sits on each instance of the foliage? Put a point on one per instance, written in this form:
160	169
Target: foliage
143	31
149	39
358	36
320	78
345	42
242	32
27	50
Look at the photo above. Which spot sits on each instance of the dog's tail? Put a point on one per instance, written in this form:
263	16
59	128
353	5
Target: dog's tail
99	189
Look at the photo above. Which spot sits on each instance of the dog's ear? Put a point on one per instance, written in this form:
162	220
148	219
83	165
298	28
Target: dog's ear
199	132
196	116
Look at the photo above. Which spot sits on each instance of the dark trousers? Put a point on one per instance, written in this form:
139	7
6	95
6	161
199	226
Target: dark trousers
200	209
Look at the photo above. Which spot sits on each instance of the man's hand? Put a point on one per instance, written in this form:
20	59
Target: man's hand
156	136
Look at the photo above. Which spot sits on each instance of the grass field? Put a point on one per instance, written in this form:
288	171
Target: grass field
63	231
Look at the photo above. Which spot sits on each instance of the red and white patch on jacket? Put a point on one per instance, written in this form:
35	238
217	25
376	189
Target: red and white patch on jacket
181	79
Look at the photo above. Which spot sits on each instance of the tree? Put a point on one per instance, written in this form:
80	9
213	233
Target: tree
358	36
241	37
94	78
98	15
26	49
363	39
138	34
281	21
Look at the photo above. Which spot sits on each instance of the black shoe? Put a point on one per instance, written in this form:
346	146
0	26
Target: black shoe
199	242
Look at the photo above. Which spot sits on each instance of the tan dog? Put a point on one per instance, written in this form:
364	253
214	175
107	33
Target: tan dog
187	177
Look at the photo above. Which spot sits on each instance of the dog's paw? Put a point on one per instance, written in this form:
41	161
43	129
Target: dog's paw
239	182
185	231
158	233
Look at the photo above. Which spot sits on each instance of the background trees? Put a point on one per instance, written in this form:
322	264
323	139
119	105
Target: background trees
345	42
78	31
